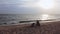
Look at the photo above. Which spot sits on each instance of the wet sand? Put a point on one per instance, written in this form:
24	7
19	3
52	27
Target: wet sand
45	28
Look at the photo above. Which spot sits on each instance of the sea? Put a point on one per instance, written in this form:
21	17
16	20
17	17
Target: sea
16	18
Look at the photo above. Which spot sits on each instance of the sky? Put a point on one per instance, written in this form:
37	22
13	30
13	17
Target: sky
29	6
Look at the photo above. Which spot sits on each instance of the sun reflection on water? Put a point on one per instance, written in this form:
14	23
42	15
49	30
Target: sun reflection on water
44	16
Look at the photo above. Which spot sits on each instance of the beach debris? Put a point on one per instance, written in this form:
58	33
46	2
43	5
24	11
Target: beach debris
24	21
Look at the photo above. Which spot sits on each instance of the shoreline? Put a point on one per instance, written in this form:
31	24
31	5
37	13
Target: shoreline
45	28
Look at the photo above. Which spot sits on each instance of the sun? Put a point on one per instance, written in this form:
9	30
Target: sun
46	4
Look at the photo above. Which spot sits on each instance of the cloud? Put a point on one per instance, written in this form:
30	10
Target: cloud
23	6
19	3
17	6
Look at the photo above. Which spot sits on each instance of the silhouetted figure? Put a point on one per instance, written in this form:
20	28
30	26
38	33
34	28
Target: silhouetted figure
37	23
33	24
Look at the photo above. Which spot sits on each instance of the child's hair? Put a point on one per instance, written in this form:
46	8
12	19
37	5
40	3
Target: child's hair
33	24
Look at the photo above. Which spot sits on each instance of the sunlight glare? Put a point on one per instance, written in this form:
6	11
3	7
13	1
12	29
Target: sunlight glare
44	17
46	4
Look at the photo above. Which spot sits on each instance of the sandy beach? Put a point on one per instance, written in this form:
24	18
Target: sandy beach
45	28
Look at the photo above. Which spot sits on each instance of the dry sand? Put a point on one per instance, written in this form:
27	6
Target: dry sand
45	28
